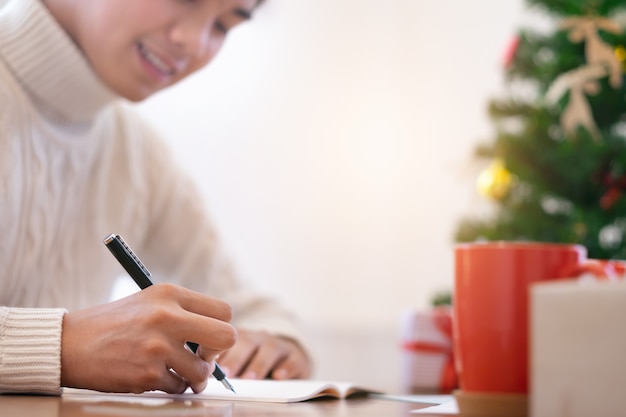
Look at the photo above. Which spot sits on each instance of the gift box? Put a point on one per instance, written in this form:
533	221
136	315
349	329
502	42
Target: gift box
427	351
577	349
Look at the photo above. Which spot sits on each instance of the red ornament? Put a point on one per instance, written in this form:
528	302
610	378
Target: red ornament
615	185
510	52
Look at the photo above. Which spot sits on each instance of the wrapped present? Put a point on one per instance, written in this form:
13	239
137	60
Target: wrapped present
427	351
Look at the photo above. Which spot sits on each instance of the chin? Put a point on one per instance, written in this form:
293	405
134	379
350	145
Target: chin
135	96
136	93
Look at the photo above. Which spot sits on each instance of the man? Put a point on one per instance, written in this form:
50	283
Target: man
76	164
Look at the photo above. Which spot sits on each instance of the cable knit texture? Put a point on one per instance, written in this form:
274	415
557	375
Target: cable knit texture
76	164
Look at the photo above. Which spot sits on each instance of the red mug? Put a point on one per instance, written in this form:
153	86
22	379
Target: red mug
492	281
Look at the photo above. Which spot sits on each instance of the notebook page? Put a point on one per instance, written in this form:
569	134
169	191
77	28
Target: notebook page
271	390
251	390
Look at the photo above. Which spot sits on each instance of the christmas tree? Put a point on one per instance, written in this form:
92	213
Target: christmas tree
558	171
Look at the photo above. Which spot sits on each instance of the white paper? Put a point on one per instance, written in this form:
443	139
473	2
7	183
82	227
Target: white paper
257	390
445	409
413	398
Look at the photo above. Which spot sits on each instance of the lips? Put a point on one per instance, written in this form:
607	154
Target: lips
159	64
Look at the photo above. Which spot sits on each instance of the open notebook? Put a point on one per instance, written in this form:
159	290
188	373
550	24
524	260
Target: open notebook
258	390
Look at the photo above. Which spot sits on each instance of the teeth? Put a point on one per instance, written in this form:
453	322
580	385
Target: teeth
154	60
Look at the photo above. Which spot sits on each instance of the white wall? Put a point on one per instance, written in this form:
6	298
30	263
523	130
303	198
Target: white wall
333	141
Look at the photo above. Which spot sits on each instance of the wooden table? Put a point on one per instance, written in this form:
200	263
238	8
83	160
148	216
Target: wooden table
110	406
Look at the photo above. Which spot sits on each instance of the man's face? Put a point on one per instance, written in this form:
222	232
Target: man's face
138	47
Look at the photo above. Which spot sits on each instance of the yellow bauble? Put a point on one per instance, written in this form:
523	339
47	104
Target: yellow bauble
495	181
620	53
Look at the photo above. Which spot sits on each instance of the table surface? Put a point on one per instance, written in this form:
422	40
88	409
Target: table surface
111	406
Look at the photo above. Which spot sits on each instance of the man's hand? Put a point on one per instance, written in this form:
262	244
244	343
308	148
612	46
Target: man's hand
259	355
137	343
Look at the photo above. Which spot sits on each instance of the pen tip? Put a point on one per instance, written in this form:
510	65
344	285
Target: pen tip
228	385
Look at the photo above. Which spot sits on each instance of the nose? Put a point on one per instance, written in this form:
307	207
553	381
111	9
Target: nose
192	35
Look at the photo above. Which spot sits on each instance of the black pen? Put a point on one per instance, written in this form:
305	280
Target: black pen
140	274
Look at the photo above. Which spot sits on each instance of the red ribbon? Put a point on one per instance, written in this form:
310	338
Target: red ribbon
448	380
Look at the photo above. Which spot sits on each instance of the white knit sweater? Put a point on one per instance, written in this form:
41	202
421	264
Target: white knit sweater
76	164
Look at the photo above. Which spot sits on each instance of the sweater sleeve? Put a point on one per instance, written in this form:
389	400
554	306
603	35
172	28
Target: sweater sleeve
30	350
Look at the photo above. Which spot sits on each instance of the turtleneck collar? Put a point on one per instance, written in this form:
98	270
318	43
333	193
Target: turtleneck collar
48	64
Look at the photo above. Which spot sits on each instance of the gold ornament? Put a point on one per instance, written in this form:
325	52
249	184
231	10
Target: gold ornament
620	54
495	182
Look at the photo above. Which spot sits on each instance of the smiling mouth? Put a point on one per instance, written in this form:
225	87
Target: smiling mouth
155	61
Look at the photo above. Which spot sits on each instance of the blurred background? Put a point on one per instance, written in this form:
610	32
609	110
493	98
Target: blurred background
333	142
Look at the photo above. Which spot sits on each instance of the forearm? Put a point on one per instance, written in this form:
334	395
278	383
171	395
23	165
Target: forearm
30	350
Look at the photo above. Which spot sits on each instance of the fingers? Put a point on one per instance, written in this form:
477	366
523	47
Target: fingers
173	371
200	319
296	365
196	373
258	355
255	359
192	301
171	383
236	359
213	335
264	361
192	368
